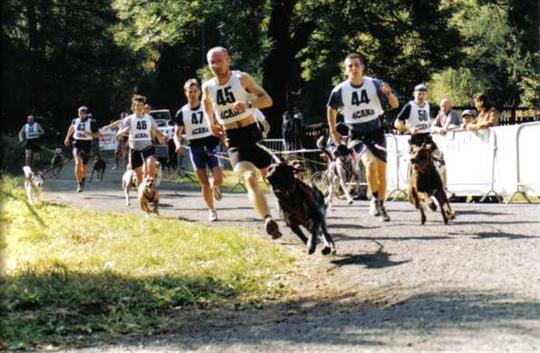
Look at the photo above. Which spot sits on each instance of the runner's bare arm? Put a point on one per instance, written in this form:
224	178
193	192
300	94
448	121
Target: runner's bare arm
70	132
392	99
215	127
331	115
177	132
262	100
21	134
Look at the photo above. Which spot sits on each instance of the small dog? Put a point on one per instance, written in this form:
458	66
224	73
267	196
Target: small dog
99	165
33	184
128	181
301	205
149	196
425	183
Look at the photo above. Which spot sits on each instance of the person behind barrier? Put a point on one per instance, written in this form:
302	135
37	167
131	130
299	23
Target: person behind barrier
487	115
446	120
229	94
362	101
30	134
414	119
468	117
191	120
83	130
141	128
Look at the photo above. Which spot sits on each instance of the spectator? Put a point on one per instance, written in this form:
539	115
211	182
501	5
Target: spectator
30	134
446	120
469	117
487	115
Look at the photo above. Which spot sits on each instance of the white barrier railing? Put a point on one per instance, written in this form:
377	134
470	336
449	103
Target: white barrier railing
494	161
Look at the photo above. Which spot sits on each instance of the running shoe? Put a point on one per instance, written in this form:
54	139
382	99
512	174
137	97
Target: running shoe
385	216
79	188
374	209
212	215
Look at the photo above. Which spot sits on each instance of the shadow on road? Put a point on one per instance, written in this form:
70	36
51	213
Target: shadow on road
378	259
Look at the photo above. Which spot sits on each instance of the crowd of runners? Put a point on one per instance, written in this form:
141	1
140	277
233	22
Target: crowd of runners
226	110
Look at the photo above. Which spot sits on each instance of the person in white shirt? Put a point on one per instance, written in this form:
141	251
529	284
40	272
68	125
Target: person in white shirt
30	134
446	120
83	131
191	120
414	119
362	100
141	128
228	103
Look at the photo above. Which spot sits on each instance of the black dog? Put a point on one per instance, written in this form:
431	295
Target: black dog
425	182
301	205
98	166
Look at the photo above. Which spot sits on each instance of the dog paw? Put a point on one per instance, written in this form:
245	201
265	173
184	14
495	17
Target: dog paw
326	250
311	246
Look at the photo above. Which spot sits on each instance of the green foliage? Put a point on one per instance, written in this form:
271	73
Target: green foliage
494	58
11	154
97	275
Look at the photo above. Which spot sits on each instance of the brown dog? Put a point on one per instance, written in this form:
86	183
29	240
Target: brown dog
149	196
425	182
98	166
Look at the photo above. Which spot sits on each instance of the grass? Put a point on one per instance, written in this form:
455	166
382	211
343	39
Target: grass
85	276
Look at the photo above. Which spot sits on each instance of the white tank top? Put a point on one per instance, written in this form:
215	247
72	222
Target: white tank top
31	131
81	127
419	117
196	123
140	128
360	104
223	97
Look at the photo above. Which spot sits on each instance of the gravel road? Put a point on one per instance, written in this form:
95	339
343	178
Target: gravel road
471	286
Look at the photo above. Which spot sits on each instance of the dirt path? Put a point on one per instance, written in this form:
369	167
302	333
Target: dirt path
470	286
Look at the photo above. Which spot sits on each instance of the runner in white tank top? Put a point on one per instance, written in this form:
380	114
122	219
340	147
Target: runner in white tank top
362	100
82	130
229	94
192	119
414	118
30	134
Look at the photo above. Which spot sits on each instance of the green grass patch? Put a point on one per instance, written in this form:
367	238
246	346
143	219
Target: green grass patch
84	276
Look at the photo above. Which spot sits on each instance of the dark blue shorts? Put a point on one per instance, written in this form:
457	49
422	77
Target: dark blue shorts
374	140
203	157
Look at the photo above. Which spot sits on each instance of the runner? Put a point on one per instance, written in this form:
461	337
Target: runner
83	130
191	120
414	118
141	128
362	101
30	134
229	93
